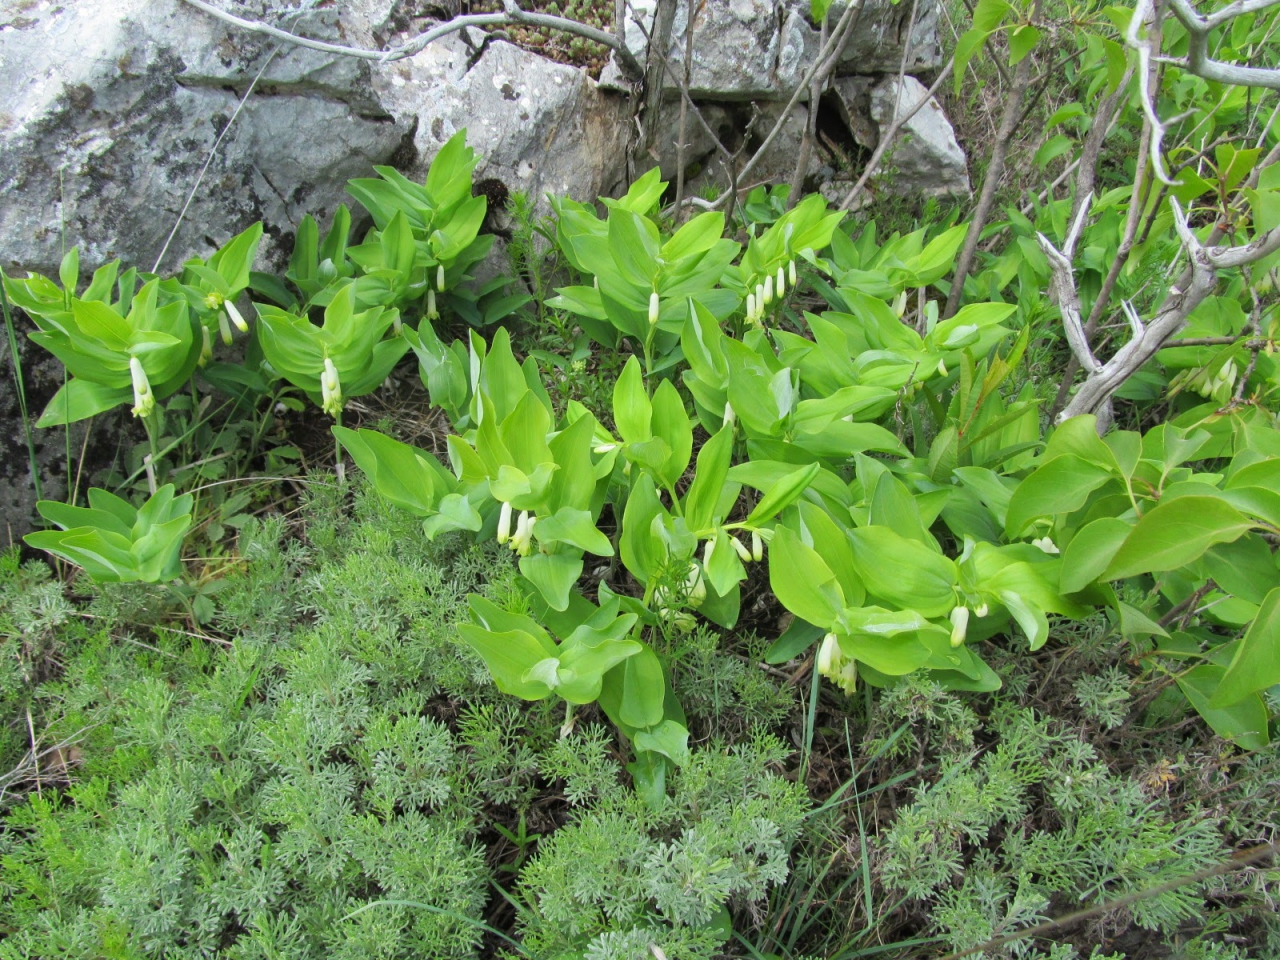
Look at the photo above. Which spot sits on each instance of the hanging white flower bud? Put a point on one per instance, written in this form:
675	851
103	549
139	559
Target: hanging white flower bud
206	346
440	277
395	322
224	329
981	610
504	523
654	304
144	400
835	666
791	272
782	283
432	312
604	447
761	302
757	546
959	625
829	655
768	290
743	553
751	308
707	551
330	390
234	314
942	368
697	587
729	415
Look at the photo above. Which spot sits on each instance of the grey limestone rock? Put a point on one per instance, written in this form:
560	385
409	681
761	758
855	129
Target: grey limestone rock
925	159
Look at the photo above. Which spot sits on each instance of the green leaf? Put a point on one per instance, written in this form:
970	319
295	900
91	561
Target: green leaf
456	513
671	423
1256	664
795	640
670	739
632	411
643	554
802	582
573	526
398	471
989	14
904	572
509	655
725	570
1174	534
1022	41
554	574
1059	486
709	480
1090	552
783	493
643	689
1029	616
1244	724
81	399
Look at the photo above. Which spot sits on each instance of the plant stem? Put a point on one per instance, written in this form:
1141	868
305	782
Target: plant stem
21	387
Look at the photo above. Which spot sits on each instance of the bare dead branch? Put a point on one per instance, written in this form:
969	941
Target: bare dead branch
1196	283
1198	60
511	14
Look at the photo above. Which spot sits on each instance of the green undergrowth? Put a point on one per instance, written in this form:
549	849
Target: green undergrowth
329	774
325	771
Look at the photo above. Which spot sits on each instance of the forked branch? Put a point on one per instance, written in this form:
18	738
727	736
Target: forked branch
1196	283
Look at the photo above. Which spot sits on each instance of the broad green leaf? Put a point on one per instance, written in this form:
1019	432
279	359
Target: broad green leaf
1174	534
668	738
456	513
783	493
893	655
905	573
831	542
509	655
554	574
80	399
632	411
397	470
1059	486
671	423
1256	664
1029	616
795	640
1022	41
1090	552
802	582
725	571
1244	569
708	480
573	526
1244	724
642	553
643	689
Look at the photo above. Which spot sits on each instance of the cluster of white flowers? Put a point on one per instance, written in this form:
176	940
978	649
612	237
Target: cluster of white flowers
766	291
522	540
